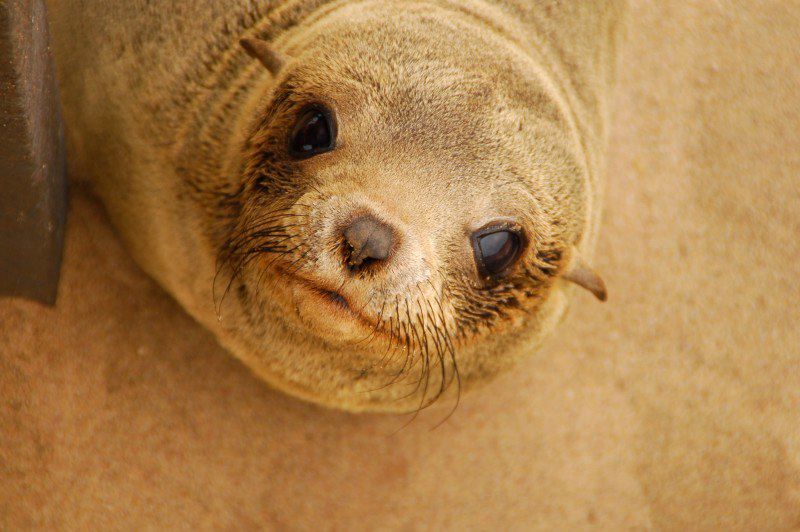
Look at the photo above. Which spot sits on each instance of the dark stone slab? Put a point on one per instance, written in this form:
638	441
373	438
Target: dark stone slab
32	166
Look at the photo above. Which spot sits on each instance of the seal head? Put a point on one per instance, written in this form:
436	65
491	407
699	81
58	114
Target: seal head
401	211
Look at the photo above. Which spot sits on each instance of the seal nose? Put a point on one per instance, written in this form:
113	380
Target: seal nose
367	240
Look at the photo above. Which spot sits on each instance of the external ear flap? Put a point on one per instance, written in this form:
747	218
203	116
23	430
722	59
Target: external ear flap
259	49
584	276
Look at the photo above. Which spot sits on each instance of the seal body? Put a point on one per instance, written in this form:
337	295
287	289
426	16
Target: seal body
366	277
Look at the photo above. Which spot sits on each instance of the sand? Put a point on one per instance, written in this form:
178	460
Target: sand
675	405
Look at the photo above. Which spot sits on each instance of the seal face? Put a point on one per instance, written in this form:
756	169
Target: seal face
403	213
382	207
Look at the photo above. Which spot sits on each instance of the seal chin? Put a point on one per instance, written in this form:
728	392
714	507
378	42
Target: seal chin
325	312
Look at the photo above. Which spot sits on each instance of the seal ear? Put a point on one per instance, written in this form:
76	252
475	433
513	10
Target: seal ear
259	49
584	276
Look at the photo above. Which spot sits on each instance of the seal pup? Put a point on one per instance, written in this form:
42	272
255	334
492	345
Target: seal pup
371	203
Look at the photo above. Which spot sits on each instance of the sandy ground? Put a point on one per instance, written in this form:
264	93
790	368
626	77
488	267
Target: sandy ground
674	406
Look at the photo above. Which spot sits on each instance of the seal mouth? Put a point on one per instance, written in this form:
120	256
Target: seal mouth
338	305
331	296
335	297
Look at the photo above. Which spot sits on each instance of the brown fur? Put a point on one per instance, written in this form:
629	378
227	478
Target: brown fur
451	114
673	406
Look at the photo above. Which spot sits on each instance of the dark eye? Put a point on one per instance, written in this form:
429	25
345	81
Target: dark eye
314	133
496	250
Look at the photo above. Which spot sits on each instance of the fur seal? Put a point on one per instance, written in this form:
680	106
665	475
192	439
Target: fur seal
372	203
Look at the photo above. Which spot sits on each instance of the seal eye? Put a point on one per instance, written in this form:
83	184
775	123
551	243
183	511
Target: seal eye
314	133
496	250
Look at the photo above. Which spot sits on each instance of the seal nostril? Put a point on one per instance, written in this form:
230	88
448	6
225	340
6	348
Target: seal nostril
368	240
